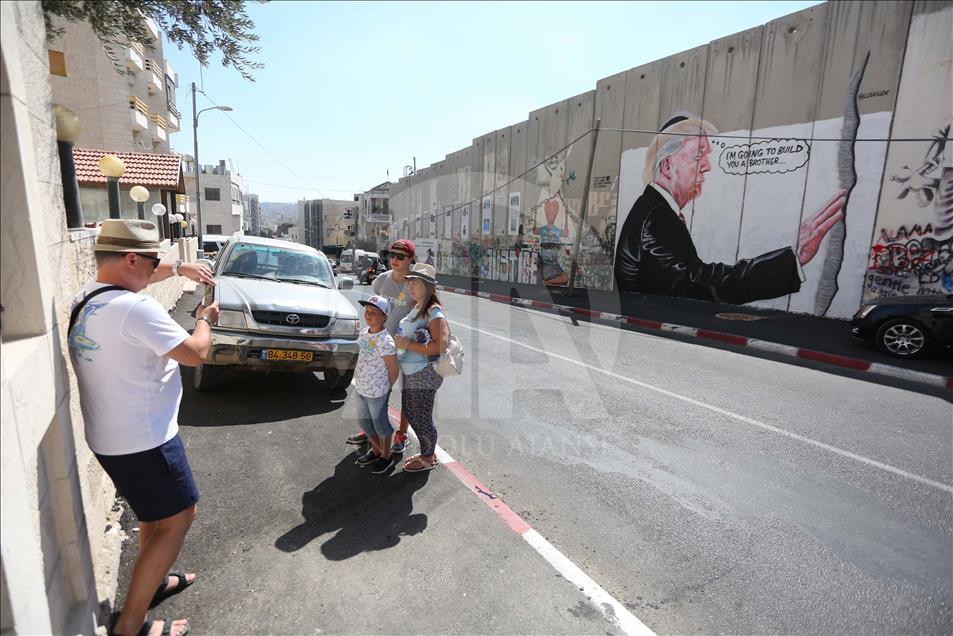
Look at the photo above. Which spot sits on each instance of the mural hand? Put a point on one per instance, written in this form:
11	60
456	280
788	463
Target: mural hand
813	231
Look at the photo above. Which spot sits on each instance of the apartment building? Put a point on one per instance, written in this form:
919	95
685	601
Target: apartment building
326	223
373	216
252	214
223	209
124	94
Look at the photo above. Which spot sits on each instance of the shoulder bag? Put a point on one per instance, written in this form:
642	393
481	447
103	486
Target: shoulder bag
450	362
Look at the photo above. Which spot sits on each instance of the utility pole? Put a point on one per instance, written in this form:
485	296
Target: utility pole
198	172
583	211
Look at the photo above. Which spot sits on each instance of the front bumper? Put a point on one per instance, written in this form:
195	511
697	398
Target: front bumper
861	328
244	350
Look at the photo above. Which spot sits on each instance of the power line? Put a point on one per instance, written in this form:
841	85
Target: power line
280	162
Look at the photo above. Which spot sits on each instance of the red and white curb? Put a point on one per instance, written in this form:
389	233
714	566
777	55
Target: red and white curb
856	364
614	612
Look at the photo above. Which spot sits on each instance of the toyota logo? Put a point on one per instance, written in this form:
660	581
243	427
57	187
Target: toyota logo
293	319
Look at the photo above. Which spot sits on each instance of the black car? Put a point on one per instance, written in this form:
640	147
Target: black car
906	326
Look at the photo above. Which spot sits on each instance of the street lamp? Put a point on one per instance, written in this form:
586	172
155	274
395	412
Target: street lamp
140	195
198	169
67	130
159	210
112	168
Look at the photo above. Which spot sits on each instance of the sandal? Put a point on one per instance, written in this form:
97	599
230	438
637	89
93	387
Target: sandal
147	627
164	592
423	465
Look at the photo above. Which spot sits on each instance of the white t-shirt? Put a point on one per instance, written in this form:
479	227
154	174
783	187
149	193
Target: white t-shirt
129	388
371	378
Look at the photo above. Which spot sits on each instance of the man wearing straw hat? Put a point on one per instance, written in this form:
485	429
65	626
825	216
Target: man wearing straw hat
126	350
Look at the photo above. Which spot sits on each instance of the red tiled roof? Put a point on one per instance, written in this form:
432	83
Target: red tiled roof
142	168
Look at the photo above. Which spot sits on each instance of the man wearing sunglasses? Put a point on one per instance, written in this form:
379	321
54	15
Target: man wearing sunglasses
392	285
126	351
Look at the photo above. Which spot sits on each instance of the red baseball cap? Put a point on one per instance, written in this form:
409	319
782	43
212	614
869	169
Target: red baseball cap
405	246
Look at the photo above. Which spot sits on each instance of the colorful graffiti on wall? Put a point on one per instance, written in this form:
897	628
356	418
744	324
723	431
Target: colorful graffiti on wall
917	258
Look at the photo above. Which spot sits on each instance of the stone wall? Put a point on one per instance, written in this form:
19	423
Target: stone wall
58	562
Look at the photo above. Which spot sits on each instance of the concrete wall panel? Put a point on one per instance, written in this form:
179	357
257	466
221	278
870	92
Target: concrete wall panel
785	103
859	77
729	105
912	241
604	182
502	176
642	94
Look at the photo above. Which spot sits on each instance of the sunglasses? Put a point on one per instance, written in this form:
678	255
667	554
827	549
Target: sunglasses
155	261
399	257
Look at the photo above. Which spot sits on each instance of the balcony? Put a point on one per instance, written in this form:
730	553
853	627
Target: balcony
153	78
174	122
135	56
157	127
153	28
170	72
139	113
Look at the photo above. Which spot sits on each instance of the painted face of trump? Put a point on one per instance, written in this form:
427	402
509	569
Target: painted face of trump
683	173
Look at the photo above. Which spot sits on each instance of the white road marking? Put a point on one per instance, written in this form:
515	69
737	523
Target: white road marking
614	611
741	418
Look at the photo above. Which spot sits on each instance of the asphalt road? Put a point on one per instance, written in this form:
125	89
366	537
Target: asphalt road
706	490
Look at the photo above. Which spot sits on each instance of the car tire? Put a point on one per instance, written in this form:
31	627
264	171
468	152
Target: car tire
902	338
207	377
335	379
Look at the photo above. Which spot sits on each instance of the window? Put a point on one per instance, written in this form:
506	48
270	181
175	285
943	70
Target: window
57	63
213	194
213	229
236	195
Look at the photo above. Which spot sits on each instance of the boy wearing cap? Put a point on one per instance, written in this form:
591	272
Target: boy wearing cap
392	285
374	375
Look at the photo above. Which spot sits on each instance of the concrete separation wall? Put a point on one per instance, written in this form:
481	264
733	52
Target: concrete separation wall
804	165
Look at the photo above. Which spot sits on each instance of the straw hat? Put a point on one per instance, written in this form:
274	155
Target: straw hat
128	235
424	272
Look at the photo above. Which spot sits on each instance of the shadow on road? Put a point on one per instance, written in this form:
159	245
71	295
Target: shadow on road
253	398
368	512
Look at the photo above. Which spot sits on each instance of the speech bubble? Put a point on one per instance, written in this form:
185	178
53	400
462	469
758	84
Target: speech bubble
775	156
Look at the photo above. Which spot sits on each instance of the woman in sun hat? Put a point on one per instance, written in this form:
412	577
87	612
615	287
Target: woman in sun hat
421	337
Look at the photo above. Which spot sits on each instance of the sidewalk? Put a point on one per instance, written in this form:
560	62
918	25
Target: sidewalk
821	339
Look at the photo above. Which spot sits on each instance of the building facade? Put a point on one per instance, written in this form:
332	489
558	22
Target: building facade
223	210
252	214
124	93
373	215
326	224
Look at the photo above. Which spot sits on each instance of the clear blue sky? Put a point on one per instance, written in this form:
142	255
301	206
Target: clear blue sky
351	90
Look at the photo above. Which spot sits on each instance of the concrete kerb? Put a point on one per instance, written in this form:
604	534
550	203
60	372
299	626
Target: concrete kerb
855	364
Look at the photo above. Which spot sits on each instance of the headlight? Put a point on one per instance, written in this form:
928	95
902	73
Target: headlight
231	319
345	327
866	309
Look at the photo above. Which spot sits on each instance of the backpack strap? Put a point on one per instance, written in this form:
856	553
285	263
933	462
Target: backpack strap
79	306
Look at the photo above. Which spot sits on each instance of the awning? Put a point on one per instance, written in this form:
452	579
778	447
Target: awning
142	168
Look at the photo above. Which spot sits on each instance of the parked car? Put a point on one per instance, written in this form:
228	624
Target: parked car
369	268
906	326
280	311
212	244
